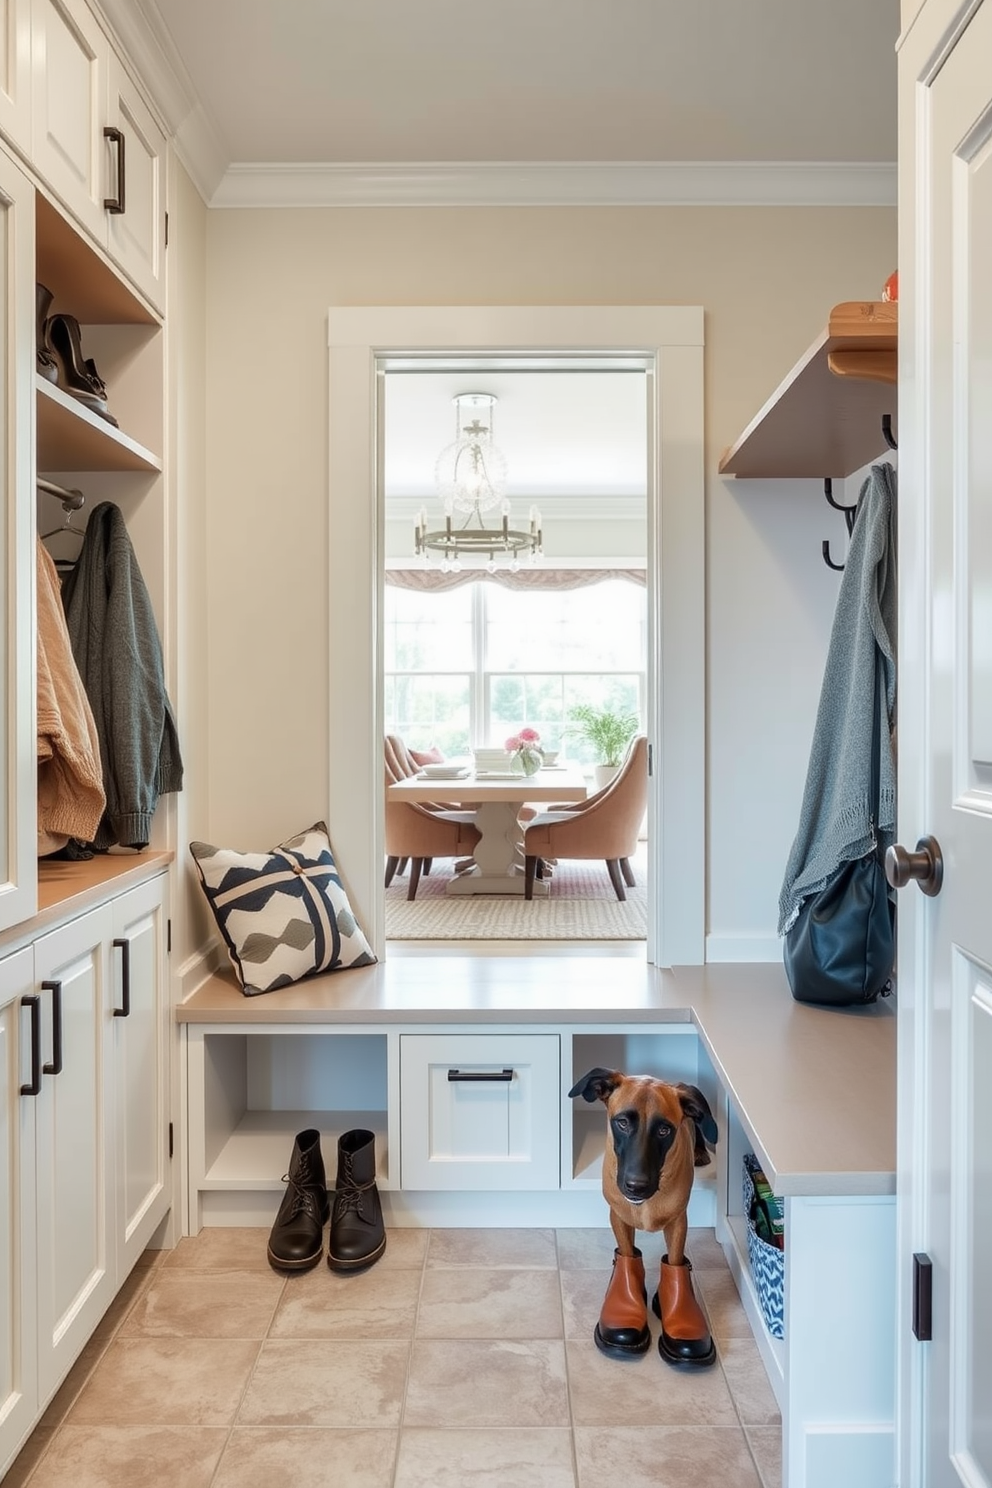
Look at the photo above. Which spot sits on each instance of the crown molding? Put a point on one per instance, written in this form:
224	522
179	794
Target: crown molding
577	184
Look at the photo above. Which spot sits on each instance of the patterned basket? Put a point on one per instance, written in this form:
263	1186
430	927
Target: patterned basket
767	1261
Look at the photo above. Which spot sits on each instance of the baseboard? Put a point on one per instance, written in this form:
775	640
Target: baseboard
743	948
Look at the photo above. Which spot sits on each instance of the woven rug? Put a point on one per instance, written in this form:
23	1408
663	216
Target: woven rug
581	906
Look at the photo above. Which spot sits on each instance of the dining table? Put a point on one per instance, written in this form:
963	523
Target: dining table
495	798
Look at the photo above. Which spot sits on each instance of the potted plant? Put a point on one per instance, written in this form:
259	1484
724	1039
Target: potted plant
608	731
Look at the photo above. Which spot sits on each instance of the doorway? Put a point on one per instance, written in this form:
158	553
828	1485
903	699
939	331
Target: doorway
367	344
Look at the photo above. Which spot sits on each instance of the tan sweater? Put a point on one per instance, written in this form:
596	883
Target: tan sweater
70	780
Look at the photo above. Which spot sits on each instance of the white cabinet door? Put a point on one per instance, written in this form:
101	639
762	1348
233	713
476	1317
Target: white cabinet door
70	57
18	1351
137	232
479	1111
75	1163
15	72
18	720
140	1068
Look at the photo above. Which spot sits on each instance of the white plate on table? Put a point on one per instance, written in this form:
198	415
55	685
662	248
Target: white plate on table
443	772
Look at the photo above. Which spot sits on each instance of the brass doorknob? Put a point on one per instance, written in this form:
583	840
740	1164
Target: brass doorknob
925	865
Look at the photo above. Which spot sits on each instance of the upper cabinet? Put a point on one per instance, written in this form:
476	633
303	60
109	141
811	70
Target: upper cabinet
826	418
15	71
96	144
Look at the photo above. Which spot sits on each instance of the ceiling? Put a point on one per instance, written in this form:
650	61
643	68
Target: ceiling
605	89
539	80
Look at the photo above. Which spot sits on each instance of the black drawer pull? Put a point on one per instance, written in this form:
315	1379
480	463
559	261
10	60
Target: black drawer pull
115	204
55	1068
33	1001
480	1075
124	1011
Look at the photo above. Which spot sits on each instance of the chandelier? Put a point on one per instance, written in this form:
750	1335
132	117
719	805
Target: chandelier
470	475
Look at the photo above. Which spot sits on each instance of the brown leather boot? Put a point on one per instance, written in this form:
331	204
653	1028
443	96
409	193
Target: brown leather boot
623	1329
685	1338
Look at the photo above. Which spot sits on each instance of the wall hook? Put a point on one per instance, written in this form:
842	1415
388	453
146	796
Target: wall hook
887	431
825	550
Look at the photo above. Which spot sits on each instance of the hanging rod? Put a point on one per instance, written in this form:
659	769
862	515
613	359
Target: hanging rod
71	498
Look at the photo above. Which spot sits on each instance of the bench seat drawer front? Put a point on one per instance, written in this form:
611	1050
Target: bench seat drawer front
480	1111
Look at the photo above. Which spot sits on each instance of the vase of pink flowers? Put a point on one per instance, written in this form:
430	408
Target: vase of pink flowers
524	749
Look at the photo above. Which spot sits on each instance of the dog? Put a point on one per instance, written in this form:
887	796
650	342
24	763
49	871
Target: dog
657	1136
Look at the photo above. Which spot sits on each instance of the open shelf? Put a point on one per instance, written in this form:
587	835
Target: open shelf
825	418
257	1153
82	281
70	437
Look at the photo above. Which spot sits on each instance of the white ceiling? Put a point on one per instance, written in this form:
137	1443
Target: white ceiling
540	80
606	89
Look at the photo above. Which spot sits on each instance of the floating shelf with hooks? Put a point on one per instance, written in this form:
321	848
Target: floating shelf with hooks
826	417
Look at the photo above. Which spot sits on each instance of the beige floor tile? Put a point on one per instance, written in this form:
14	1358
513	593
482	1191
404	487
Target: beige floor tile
647	1390
166	1382
368	1304
405	1249
530	1248
587	1250
489	1303
538	1458
705	1251
217	1248
130	1293
766	1448
125	1456
582	1294
471	1382
752	1394
718	1293
186	1304
327	1382
307	1457
665	1457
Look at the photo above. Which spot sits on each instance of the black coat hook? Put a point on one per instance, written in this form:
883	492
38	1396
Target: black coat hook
887	431
849	515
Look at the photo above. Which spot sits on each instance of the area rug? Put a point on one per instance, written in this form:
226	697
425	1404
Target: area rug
581	906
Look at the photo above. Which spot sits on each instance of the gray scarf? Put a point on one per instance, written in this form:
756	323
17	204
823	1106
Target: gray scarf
838	822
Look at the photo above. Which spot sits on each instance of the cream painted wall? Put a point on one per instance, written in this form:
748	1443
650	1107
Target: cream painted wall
189	679
766	277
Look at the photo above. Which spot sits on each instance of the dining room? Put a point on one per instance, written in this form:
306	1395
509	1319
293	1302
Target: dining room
515	600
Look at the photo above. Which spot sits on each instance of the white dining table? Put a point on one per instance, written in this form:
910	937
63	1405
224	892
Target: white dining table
498	857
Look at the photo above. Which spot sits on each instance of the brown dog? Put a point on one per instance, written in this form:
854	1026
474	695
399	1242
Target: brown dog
657	1137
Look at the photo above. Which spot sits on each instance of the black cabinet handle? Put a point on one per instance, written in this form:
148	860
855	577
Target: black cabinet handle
33	1001
115	204
55	1068
479	1075
124	1011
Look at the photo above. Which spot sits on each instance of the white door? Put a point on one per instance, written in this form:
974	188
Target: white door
20	1063
137	224
945	741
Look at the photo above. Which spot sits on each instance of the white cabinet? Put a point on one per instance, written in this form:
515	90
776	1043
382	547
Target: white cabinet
139	1022
15	71
19	1011
74	1159
84	1151
95	142
18	724
480	1111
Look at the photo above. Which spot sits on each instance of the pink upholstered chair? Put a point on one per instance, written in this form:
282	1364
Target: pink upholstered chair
418	834
605	826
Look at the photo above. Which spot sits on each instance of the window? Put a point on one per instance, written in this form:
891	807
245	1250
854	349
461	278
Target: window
471	665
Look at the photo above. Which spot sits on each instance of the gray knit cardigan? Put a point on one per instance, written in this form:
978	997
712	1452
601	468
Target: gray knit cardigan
117	649
836	817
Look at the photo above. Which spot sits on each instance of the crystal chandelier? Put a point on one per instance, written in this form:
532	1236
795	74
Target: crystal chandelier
471	480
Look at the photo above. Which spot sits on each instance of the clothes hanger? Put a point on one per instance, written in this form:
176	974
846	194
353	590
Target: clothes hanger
71	499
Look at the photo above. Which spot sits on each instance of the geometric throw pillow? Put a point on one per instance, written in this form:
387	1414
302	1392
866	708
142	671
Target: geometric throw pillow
283	914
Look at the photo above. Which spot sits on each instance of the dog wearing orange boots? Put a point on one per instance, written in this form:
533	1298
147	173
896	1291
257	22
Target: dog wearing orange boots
657	1136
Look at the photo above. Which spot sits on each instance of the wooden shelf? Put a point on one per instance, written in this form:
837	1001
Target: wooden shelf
70	437
825	418
82	281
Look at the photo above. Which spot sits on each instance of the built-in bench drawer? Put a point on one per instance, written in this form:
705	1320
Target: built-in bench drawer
480	1111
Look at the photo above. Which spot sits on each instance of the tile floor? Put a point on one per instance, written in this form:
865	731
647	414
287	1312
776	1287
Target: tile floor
463	1357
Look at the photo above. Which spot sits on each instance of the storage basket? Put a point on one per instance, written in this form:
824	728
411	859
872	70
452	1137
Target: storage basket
767	1261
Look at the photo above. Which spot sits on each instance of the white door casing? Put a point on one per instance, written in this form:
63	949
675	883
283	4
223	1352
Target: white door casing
364	342
945	739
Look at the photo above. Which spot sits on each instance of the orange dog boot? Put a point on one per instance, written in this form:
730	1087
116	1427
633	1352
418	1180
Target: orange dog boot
685	1338
623	1329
